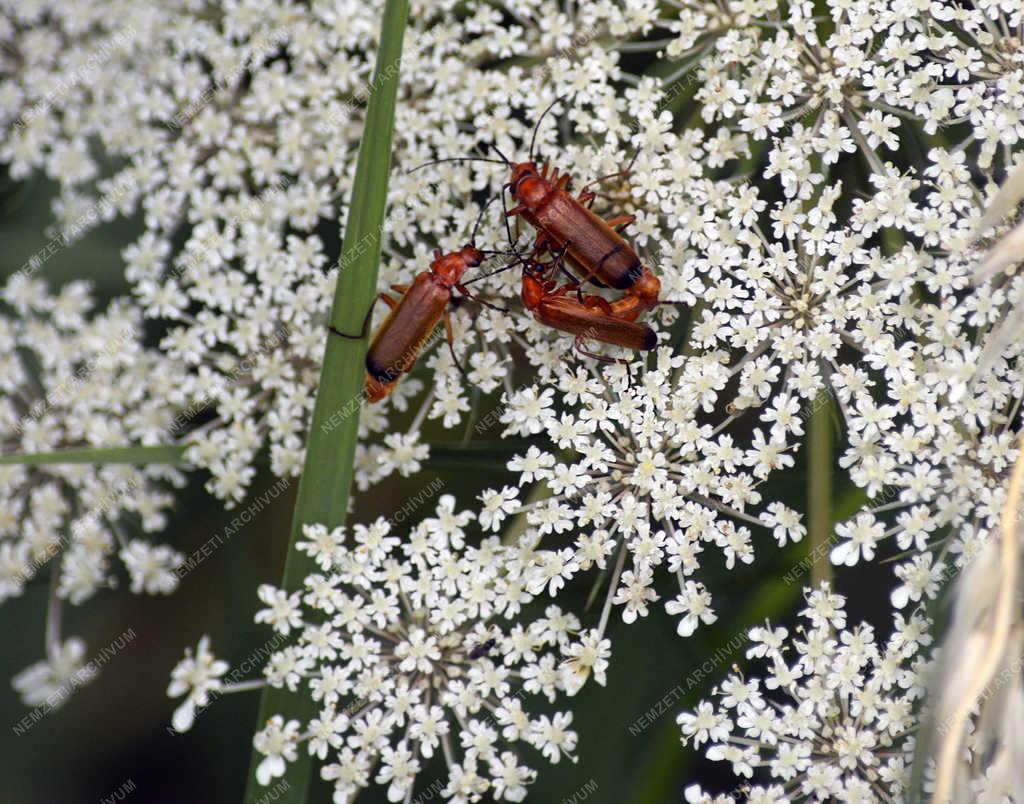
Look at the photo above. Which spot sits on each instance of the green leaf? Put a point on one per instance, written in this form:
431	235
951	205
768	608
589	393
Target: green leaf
157	454
323	492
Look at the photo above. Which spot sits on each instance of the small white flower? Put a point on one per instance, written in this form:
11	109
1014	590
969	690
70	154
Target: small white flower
152	568
195	676
50	682
284	612
277	741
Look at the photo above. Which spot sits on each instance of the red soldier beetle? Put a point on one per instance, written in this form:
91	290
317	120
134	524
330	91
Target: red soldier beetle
400	338
585	315
568	228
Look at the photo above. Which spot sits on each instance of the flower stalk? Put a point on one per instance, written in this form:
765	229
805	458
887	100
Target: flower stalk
326	480
170	453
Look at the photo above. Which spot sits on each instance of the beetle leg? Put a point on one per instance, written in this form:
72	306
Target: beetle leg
621	221
366	321
541	244
585	189
451	346
597	303
563	181
559	258
512	243
478	300
607	177
628	308
516	210
596	355
604	358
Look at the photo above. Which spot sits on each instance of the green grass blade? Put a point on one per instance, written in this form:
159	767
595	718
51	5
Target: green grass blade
140	455
330	450
820	514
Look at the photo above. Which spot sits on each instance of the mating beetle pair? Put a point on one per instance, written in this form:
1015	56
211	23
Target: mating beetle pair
567	230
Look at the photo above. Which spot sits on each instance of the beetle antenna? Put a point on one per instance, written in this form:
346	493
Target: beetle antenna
479	219
536	128
508	229
518	259
455	159
497	150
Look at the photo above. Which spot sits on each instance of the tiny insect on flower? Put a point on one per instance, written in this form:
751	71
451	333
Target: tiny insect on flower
587	316
483	649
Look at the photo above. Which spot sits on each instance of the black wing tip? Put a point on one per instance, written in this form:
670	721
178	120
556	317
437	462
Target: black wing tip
378	371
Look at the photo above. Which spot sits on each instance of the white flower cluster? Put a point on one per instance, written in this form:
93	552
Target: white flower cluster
415	647
872	77
818	216
832	718
655	476
74	377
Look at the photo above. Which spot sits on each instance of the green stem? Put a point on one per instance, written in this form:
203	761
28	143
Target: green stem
326	480
158	454
820	459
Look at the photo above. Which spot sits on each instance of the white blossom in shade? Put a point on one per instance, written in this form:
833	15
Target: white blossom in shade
832	717
278	742
51	681
589	655
692	602
283	612
415	648
196	677
152	568
76	377
495	506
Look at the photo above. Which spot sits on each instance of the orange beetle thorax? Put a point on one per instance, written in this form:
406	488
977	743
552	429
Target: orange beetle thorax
449	268
527	185
647	287
532	292
534	289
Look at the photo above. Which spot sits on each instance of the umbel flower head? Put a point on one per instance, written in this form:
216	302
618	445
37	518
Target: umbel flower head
932	432
419	657
819	81
654	475
75	377
832	718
